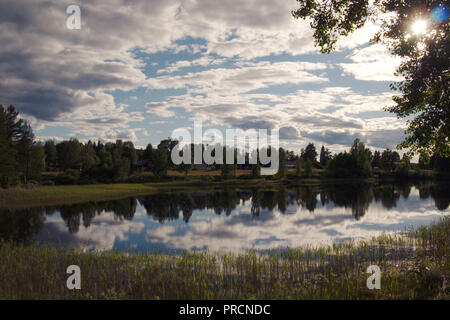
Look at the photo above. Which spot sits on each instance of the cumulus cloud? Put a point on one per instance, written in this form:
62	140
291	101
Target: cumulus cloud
373	63
289	133
233	61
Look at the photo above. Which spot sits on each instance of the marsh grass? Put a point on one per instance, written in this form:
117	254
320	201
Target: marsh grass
414	265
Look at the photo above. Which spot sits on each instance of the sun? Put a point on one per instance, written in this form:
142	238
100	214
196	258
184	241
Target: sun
419	27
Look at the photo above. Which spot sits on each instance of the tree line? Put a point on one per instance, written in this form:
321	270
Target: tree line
23	159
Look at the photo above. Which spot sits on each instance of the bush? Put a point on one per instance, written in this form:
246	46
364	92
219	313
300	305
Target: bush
246	177
70	176
207	178
48	183
140	178
31	184
346	165
86	180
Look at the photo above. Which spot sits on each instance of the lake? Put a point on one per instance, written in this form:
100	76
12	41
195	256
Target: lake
231	219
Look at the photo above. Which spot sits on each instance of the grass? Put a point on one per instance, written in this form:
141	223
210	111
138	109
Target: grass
140	184
146	183
57	195
414	265
53	195
70	194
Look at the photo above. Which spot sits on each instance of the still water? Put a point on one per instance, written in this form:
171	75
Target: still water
231	219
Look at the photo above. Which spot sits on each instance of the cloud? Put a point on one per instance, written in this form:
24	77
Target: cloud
239	80
318	120
373	63
245	64
288	133
160	109
49	70
380	139
330	137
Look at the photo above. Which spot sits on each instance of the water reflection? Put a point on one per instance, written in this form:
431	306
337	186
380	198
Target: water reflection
247	212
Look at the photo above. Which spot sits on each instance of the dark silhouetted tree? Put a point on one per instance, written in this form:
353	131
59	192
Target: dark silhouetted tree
325	155
148	153
308	168
160	162
69	154
51	155
376	159
424	94
309	153
88	157
389	159
8	164
298	166
282	163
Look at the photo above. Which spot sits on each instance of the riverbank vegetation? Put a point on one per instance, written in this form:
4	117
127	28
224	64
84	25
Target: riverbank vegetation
27	162
52	195
414	265
38	195
147	183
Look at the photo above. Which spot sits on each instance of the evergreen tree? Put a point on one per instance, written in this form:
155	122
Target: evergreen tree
282	163
325	155
51	155
148	153
69	154
14	126
160	162
129	152
88	157
362	156
105	156
37	161
309	153
308	168
30	156
121	169
8	165
298	166
256	167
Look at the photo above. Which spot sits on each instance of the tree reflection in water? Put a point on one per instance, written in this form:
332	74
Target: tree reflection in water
23	225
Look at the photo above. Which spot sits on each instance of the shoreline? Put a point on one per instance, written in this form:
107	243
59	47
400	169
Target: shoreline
34	196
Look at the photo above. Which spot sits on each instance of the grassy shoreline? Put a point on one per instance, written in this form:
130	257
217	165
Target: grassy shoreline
145	184
414	265
56	195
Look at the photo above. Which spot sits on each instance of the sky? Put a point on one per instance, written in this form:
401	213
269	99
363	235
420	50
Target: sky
137	70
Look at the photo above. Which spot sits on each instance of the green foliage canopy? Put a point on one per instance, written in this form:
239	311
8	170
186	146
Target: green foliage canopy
423	97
